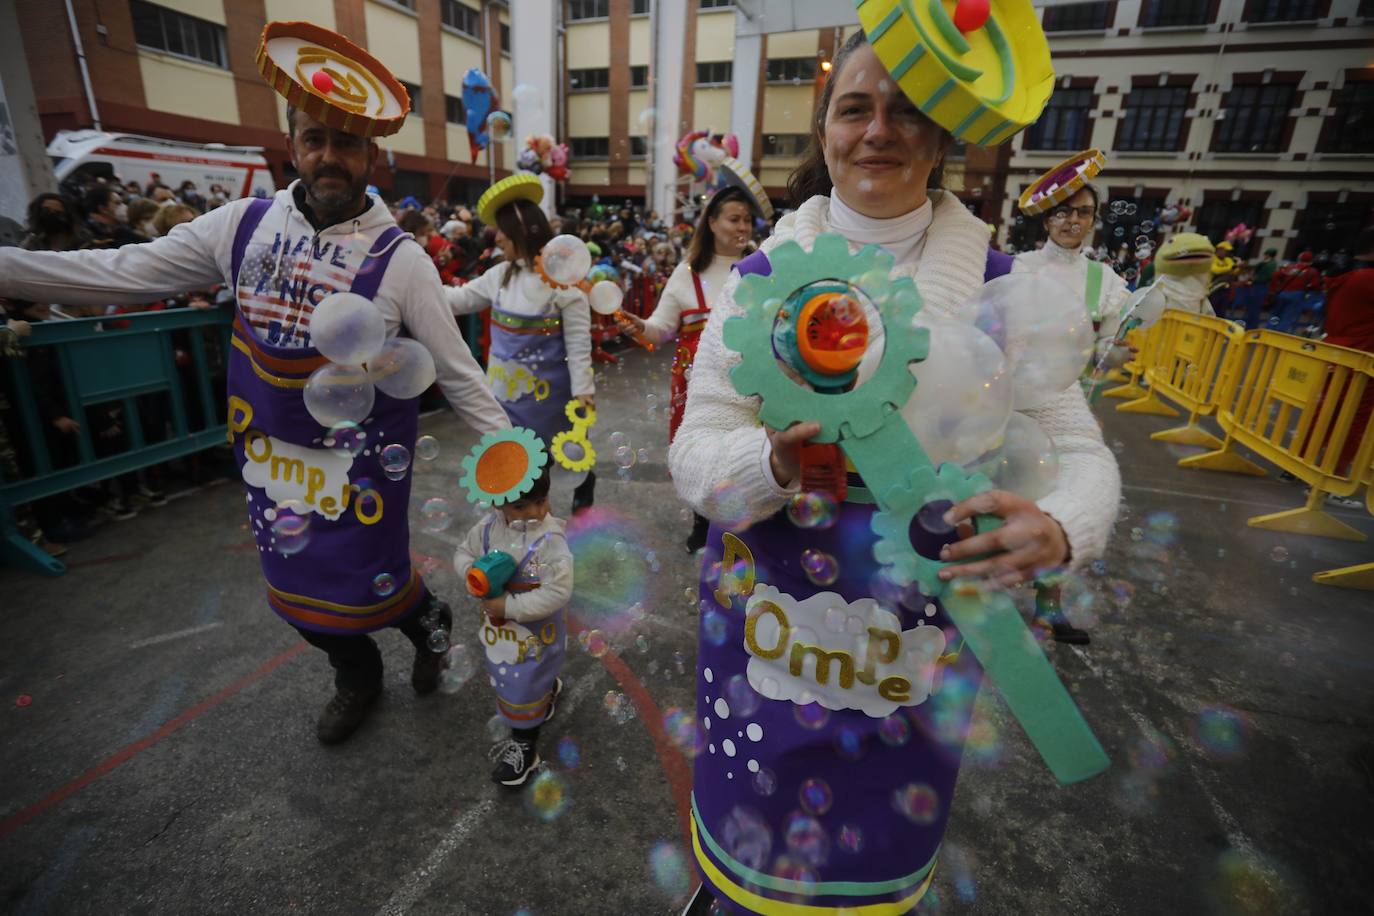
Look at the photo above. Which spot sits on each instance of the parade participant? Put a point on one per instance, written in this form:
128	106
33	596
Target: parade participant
330	525
524	627
1252	296
541	345
1350	323
1221	292
1294	286
723	232
872	767
1067	206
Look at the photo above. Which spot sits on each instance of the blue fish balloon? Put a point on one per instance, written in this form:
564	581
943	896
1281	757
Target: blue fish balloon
478	102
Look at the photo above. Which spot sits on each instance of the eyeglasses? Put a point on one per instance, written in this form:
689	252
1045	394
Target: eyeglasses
1062	213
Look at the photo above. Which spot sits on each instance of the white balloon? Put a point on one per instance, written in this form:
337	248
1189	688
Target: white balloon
963	392
1042	326
606	297
347	329
1026	462
403	370
566	259
336	393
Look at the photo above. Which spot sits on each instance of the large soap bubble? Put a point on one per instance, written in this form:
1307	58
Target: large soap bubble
606	297
498	125
566	259
347	329
963	392
336	394
403	370
1026	463
1043	328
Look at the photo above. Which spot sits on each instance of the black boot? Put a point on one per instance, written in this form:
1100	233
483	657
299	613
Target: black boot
584	494
429	665
697	539
345	712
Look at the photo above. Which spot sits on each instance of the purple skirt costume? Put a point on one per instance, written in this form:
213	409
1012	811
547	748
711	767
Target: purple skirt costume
527	369
523	659
350	571
835	709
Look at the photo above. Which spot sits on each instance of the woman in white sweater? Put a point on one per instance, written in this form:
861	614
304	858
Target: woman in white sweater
722	234
873	769
541	345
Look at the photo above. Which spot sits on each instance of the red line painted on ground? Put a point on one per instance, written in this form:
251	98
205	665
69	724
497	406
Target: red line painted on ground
670	758
113	558
242	548
127	753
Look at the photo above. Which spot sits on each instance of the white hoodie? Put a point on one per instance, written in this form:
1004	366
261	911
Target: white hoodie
276	297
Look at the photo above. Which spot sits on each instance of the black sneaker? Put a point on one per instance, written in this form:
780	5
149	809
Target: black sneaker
584	494
697	539
515	761
118	510
153	496
1069	634
553	700
345	712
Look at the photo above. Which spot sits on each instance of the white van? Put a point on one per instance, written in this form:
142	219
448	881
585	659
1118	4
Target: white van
240	170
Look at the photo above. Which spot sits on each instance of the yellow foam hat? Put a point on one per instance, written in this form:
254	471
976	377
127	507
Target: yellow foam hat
978	68
1061	182
331	79
520	186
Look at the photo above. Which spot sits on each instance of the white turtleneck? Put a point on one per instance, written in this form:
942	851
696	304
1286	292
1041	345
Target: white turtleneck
903	237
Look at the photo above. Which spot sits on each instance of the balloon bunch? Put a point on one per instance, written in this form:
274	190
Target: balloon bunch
1174	213
700	152
541	155
1239	234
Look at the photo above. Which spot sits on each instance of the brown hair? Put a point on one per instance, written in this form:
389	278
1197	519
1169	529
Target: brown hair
538	491
141	209
1097	202
172	215
812	175
414	222
528	229
703	247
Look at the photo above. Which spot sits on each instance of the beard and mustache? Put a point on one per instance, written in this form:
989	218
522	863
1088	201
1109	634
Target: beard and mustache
331	198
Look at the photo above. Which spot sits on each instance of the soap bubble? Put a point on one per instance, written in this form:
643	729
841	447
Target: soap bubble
346	436
403	370
1220	731
851	838
813	509
765	782
498	125
566	259
894	731
963	391
569	752
745	835
336	394
383	584
1026	463
625	457
619	440
647	119
806	839
426	448
819	566
395	460
743	698
684	731
291	528
917	802
548	795
1042	327
347	329
850	743
642	456
594	643
529	101
459	669
815	796
438	640
669	868
1279	554
811	715
605	296
437	514
714	627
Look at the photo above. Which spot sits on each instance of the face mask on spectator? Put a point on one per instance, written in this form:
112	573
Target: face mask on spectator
122	212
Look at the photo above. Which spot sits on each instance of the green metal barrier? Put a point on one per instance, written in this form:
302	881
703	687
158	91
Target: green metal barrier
102	361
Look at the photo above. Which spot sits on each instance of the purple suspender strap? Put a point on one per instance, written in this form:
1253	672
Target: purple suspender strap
368	279
248	224
998	265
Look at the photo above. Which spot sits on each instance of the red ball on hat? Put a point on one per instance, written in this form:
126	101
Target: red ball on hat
970	15
323	82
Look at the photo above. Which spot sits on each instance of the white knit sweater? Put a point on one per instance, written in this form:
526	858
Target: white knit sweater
721	441
680	295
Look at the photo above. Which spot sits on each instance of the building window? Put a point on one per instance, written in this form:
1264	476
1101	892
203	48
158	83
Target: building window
160	29
1157	13
588	9
639	77
408	4
454	113
505	38
1365	9
1280	10
1153	118
1253	119
784	144
639	7
1330	225
715	73
1352	126
1081	17
414	92
791	69
639	146
1217	217
716	4
1124	217
589	80
1065	122
465	19
590	147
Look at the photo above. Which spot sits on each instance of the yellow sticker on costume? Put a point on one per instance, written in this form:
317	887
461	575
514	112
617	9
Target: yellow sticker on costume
509	643
288	472
511	381
842	655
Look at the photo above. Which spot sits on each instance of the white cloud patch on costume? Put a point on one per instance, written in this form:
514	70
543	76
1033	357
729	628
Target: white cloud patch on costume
317	478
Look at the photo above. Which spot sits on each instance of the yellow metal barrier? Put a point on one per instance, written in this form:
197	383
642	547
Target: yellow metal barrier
1362	574
1195	358
1293	401
1134	369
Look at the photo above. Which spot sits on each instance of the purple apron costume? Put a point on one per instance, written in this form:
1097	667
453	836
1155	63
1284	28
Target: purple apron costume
816	794
331	584
523	662
528	369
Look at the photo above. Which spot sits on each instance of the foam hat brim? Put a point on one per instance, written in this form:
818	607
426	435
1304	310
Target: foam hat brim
522	186
1061	182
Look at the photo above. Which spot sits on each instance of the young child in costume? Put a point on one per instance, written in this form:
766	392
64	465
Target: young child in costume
524	628
541	345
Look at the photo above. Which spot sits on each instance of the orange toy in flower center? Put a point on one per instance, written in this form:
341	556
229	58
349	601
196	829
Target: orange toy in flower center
834	333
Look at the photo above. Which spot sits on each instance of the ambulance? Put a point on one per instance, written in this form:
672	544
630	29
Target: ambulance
241	170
